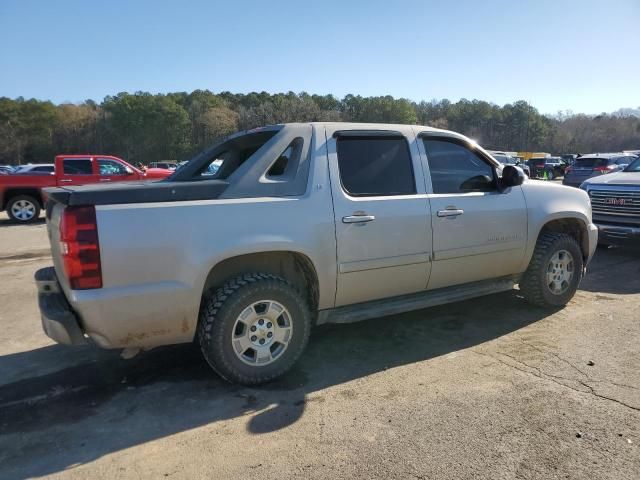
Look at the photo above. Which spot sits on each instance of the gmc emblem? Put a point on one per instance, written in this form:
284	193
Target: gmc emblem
615	201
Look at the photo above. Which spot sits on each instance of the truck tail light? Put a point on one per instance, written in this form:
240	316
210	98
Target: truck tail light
80	248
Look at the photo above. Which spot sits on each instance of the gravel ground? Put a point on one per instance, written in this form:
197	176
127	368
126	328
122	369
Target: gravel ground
488	388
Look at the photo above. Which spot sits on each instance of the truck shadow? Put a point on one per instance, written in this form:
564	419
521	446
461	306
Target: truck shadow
614	270
89	403
6	222
105	404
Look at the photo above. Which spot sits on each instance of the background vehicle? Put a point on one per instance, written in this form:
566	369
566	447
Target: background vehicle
21	192
506	159
552	166
6	169
37	168
303	224
593	165
165	165
615	200
569	158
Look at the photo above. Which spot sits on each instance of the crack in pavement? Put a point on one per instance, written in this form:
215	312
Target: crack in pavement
572	365
553	378
562	359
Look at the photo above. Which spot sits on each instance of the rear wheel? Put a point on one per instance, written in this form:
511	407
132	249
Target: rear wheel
254	328
554	272
23	209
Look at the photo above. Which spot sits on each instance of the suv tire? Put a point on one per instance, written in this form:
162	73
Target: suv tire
254	328
555	271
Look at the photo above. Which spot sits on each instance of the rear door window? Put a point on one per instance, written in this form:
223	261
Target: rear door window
375	166
590	162
77	166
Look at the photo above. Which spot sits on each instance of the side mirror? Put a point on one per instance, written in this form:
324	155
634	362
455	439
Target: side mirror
511	177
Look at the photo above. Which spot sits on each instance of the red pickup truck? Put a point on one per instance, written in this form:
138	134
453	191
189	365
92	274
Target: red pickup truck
22	196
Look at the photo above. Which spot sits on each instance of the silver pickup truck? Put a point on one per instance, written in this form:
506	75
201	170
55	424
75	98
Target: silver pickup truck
281	228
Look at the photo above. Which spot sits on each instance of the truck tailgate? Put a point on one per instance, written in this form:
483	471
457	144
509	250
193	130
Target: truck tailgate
137	192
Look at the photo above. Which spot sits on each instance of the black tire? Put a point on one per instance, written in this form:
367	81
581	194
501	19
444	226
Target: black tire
533	283
551	175
35	204
221	309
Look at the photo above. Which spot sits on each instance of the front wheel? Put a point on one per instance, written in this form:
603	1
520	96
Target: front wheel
254	328
555	270
23	209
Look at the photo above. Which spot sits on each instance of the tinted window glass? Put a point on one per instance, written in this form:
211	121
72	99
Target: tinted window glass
231	154
371	166
77	166
287	160
456	169
111	167
43	169
590	162
214	166
634	166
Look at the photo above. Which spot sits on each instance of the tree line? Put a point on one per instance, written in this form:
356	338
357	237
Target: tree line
142	127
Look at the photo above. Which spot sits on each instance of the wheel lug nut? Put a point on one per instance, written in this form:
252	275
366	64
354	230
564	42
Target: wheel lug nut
260	322
253	338
269	325
269	334
262	341
253	329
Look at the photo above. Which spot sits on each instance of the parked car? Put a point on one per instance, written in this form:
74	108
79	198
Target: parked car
593	165
552	166
505	159
164	165
615	200
34	169
21	193
569	158
303	224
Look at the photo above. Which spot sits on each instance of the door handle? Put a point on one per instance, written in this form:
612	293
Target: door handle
450	212
358	218
66	180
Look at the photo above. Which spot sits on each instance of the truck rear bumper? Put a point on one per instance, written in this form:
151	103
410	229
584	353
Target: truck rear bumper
59	321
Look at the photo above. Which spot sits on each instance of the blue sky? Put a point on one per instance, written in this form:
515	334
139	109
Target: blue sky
558	55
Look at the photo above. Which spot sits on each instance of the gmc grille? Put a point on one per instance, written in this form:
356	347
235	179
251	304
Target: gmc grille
615	202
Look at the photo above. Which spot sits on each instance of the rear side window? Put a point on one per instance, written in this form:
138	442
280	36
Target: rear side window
287	161
43	169
77	166
375	166
455	168
590	162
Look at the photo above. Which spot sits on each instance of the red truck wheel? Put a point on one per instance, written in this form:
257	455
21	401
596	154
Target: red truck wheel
23	209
